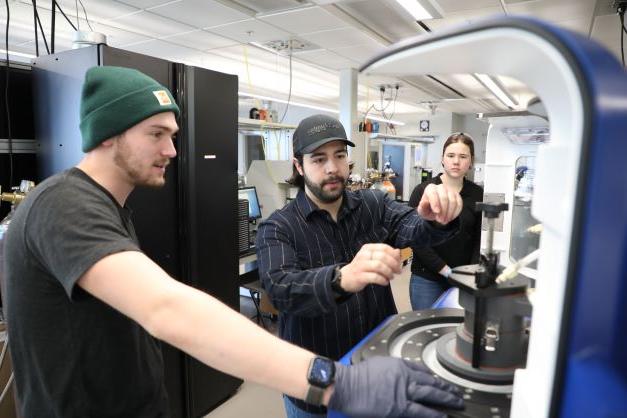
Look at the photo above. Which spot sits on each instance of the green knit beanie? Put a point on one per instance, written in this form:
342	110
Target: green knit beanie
115	99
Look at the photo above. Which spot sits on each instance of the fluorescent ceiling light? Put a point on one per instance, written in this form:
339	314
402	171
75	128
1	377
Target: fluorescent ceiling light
496	89
419	9
17	54
309	106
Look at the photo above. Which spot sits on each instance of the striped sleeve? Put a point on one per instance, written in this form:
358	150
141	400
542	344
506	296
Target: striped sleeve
292	290
408	229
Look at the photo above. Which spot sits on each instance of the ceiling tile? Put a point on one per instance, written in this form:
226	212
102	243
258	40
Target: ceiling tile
118	38
23	13
470	106
578	25
17	9
149	24
266	6
360	53
200	39
338	38
259	54
200	13
262	64
21	29
264	58
256	58
18	34
162	49
129	25
465	17
605	31
60	45
252	53
386	18
143	4
97	10
250	30
305	20
327	59
115	36
554	10
454	6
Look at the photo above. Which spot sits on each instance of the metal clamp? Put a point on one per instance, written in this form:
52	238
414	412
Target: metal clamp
491	336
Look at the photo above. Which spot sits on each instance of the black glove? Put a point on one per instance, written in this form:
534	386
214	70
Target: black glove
390	387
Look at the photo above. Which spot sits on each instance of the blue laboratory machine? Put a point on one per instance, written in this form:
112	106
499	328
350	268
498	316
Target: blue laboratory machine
551	343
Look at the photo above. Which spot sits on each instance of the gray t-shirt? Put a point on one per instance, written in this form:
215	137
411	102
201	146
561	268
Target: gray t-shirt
73	355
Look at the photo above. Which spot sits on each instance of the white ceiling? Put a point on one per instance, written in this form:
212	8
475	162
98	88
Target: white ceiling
225	35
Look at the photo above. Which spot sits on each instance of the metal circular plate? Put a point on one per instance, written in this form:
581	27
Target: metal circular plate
413	336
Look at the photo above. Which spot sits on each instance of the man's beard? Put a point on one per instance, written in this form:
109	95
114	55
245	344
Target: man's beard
129	165
321	194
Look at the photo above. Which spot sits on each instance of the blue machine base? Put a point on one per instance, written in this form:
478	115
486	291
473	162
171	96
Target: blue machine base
447	300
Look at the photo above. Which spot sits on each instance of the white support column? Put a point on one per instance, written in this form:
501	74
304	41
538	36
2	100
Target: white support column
349	118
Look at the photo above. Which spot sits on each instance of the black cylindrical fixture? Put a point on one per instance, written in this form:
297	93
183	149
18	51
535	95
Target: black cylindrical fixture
478	325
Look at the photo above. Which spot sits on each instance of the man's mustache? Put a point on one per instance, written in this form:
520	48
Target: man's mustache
334	179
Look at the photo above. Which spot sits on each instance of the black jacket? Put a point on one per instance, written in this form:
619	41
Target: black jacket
463	248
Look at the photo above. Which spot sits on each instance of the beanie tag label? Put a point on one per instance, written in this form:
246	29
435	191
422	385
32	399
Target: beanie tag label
162	97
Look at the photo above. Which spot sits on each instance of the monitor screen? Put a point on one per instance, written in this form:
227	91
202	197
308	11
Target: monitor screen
250	194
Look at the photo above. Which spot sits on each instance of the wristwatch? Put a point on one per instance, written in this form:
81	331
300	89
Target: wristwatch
336	283
321	375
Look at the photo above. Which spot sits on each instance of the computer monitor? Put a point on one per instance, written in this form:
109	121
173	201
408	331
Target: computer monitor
250	194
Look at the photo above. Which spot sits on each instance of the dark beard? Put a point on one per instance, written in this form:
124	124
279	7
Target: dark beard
321	195
124	159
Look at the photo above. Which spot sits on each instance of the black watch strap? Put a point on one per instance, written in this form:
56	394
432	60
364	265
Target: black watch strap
336	283
314	395
321	375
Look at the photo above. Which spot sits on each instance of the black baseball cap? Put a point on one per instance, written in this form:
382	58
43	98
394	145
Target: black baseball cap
317	130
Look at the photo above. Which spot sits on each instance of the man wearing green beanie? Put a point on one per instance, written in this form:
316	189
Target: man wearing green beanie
85	306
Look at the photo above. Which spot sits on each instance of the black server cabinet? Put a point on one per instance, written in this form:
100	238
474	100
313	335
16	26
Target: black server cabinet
23	162
188	227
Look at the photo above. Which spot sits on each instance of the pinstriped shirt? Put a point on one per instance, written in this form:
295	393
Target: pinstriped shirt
298	248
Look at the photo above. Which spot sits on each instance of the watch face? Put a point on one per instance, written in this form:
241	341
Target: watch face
321	372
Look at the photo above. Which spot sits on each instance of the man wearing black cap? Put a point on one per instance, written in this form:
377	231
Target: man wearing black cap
85	306
326	259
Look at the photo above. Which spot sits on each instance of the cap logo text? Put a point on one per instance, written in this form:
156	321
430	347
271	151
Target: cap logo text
322	127
162	97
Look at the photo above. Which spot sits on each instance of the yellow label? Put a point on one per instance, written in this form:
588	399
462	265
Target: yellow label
163	97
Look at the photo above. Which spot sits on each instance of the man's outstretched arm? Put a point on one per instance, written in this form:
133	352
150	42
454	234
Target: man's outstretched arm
210	331
196	322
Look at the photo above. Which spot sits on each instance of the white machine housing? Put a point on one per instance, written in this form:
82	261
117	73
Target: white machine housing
514	52
499	172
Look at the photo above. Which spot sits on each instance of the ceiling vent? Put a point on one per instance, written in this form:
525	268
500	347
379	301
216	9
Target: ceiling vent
287	46
534	135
